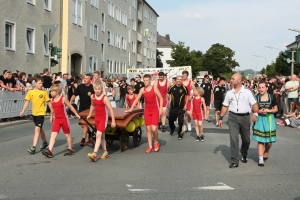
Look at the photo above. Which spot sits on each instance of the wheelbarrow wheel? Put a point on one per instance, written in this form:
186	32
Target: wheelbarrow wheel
137	135
124	140
109	142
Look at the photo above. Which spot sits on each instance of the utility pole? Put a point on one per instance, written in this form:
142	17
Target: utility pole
293	62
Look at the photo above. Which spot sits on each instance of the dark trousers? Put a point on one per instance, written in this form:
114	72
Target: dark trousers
173	115
239	125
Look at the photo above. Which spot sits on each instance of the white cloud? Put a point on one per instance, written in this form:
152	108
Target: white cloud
244	26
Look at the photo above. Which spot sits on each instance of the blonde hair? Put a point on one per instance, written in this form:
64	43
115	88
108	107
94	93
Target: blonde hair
98	84
200	91
57	88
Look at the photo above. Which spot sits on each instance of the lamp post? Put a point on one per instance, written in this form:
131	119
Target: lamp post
265	59
296	30
273	48
255	66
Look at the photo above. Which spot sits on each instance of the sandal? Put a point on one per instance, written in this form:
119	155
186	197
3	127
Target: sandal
156	147
149	150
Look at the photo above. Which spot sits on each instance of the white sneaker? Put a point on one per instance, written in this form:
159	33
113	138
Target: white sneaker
189	127
217	124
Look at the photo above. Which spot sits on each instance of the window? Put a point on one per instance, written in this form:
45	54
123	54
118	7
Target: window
145	51
107	67
94	31
111	67
46	45
112	10
10	35
115	67
108	37
133	25
32	2
109	5
103	21
93	64
47	5
95	3
117	14
129	34
85	28
134	4
129	15
77	12
30	40
102	52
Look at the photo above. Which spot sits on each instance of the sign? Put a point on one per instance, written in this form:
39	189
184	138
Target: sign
170	71
49	30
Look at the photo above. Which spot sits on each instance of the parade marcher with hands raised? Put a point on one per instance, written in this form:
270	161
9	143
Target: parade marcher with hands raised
152	111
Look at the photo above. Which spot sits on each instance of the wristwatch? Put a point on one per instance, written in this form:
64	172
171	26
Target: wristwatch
220	118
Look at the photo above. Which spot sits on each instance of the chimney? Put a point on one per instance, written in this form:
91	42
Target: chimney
168	37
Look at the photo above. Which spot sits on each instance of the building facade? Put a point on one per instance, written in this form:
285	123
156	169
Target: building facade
95	35
164	44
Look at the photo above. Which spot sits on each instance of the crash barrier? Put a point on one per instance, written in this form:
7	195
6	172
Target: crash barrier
11	103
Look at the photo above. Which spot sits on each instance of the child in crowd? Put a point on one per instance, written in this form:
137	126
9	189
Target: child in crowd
100	103
130	97
196	112
37	96
60	119
111	95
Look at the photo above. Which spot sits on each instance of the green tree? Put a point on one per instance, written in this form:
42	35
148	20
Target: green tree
263	71
271	70
218	59
159	63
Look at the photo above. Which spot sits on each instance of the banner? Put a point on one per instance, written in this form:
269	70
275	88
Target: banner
170	71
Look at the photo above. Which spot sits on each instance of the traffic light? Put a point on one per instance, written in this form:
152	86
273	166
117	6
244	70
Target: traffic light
55	54
297	57
287	57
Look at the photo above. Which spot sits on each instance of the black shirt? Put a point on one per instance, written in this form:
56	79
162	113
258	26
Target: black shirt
271	88
5	81
84	93
47	81
266	104
207	87
123	90
138	86
219	93
178	94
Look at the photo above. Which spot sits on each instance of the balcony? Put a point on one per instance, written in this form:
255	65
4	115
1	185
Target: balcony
139	37
140	16
139	57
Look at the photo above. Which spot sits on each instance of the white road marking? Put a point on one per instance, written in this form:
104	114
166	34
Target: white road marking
221	186
142	190
128	185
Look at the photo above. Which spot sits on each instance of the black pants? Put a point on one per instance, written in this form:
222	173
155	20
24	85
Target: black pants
173	115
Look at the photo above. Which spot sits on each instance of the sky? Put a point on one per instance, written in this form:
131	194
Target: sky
245	26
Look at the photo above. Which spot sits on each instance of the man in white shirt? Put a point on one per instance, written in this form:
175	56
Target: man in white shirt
292	87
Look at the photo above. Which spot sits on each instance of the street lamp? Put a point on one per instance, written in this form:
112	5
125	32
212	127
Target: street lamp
296	30
273	48
255	66
265	59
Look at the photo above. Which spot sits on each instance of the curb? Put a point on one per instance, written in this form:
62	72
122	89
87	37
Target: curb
8	124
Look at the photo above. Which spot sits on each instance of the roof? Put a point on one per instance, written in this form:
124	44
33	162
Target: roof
164	41
151	8
295	42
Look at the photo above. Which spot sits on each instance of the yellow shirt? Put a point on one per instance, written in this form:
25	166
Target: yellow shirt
37	98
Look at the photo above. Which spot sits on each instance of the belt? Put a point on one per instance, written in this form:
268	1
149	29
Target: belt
240	114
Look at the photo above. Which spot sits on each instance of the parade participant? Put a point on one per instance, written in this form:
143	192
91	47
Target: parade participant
100	103
60	120
162	85
96	77
239	100
196	112
189	86
139	84
84	91
130	97
208	95
152	111
173	81
111	95
218	97
264	130
178	95
37	96
122	92
271	85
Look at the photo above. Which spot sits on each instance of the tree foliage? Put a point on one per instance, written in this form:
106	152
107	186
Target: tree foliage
159	63
219	60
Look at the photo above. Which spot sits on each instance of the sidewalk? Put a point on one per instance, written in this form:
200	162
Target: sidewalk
8	123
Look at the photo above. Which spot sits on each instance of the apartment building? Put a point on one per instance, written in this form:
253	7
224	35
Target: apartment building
105	35
24	44
164	44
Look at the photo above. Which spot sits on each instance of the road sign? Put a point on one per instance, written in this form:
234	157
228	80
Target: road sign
49	30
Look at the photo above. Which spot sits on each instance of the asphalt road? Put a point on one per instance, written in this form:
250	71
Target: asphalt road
183	169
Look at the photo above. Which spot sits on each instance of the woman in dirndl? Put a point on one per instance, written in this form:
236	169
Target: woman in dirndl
264	130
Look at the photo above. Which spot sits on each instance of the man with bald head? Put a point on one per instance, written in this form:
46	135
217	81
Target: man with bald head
292	88
239	100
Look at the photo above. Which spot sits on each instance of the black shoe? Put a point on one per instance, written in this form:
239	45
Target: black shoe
208	120
261	164
172	132
233	165
163	129
159	125
244	159
198	139
180	136
202	138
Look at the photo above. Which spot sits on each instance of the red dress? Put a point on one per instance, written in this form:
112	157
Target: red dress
197	110
163	91
151	111
101	113
188	87
130	101
60	117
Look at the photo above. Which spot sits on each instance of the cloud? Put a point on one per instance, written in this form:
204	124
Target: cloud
194	16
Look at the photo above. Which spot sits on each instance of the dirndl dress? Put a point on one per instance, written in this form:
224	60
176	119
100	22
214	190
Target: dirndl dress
264	129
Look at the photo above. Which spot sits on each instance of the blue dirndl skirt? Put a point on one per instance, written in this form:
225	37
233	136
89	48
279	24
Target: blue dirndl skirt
264	129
